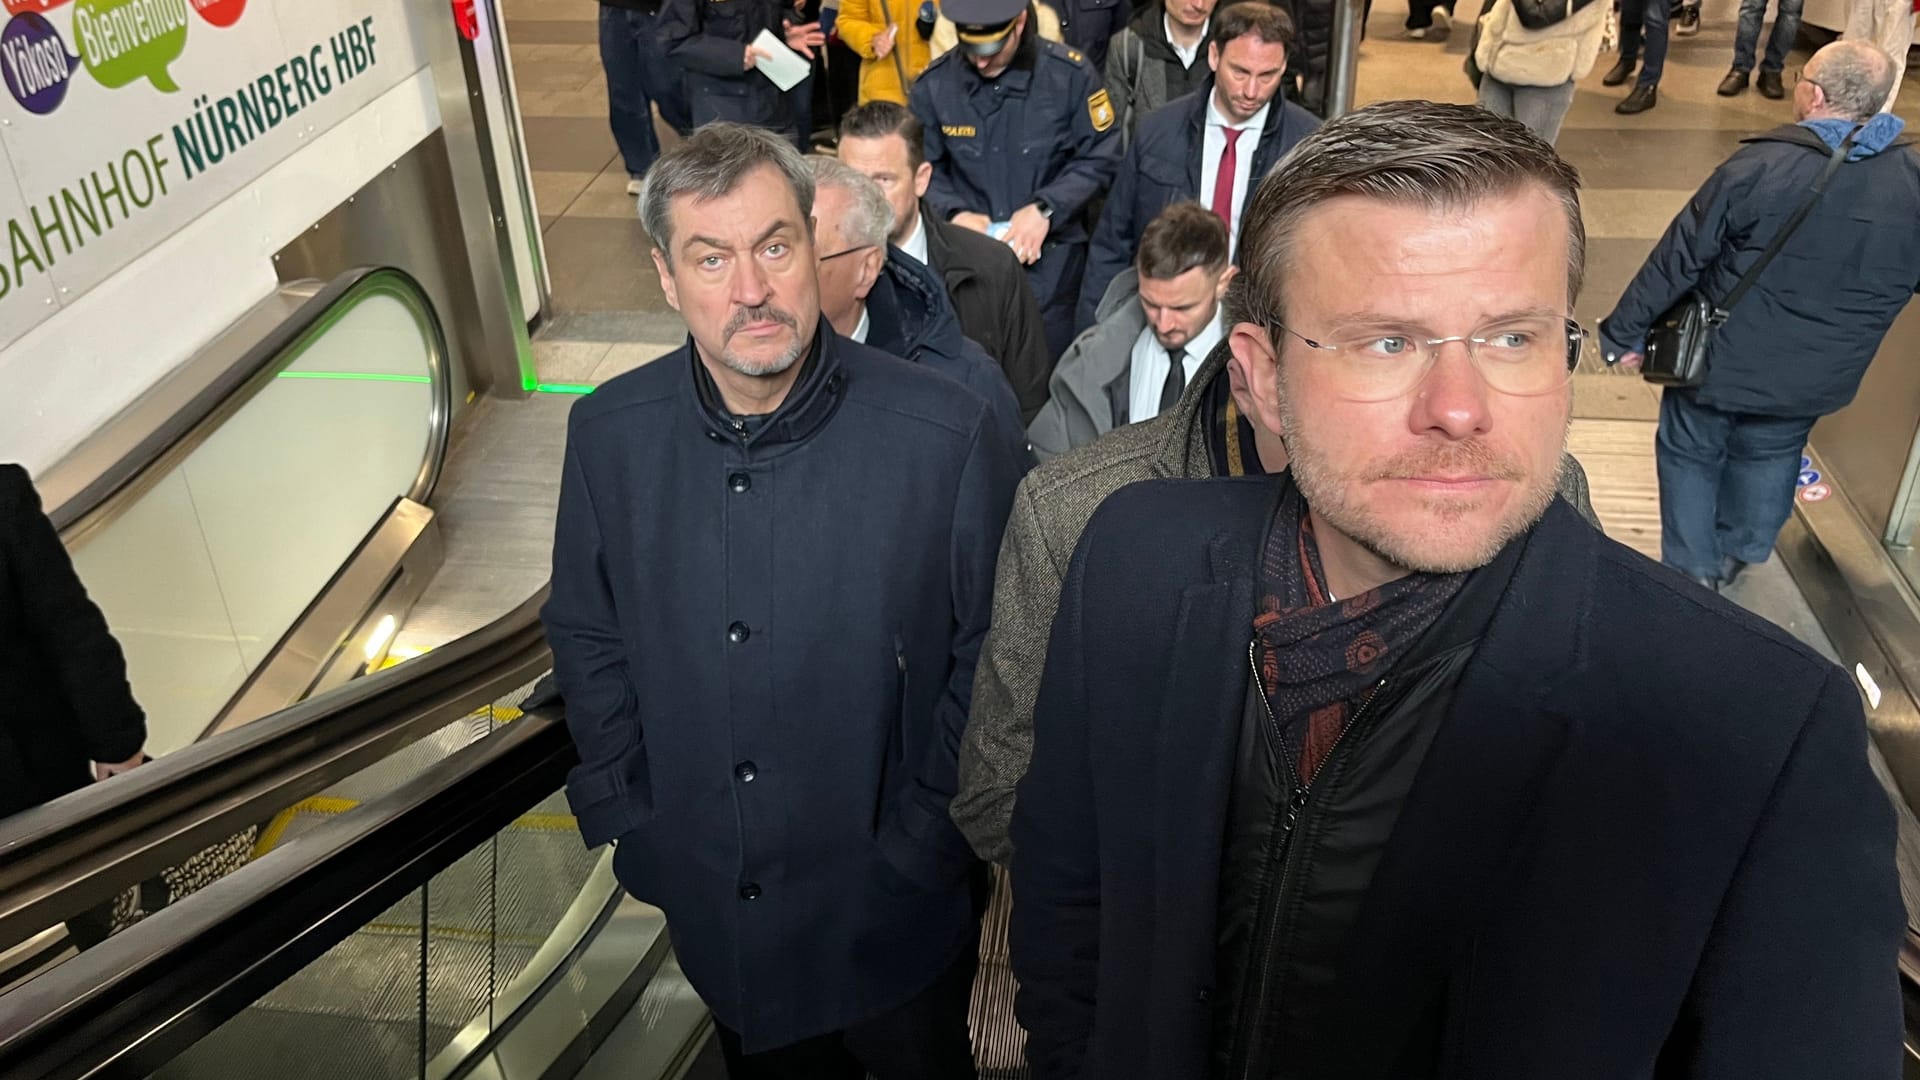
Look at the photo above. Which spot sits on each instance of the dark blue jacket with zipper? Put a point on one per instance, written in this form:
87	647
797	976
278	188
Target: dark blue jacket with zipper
1800	341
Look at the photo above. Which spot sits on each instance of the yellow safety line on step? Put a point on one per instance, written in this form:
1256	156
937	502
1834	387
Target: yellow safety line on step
332	806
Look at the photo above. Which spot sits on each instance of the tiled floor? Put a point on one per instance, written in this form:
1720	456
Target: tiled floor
1638	170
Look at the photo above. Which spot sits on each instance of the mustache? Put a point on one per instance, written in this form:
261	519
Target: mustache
762	313
1471	458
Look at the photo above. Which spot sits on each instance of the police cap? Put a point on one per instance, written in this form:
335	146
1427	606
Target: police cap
983	25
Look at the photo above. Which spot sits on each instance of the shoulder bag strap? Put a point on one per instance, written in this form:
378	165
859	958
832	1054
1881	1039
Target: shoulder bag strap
1725	307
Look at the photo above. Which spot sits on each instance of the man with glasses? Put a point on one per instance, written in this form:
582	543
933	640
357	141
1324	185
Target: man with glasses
1796	347
873	293
1393	766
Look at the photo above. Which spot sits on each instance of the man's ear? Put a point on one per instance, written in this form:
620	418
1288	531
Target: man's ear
1253	351
1213	56
871	261
922	177
1226	279
666	279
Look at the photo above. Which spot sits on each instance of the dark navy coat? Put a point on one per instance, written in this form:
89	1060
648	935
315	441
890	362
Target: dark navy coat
1089	25
1616	860
1037	133
1161	168
708	40
1799	343
766	644
910	316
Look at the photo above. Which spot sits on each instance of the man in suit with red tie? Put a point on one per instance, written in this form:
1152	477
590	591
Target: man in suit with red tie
1213	145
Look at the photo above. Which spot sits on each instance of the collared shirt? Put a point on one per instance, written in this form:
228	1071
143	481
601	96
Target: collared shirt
1187	53
1148	371
1214	143
866	326
916	242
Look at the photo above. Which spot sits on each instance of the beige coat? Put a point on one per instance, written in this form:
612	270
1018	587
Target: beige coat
1517	56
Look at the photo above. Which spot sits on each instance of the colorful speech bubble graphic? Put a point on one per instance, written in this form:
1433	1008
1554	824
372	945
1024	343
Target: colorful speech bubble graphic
125	40
17	7
35	63
217	12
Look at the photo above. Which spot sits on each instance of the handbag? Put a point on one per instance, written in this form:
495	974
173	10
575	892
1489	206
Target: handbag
1676	353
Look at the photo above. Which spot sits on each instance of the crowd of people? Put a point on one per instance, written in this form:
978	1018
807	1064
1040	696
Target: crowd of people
1138	487
1214	567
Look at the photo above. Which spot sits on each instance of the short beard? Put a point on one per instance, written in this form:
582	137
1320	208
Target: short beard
1325	489
751	369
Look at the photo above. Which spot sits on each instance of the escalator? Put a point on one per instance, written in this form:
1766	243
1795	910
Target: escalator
450	925
257	530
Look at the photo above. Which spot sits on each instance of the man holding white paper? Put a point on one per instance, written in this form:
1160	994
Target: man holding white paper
743	59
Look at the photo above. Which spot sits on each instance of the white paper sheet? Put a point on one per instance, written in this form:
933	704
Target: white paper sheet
784	66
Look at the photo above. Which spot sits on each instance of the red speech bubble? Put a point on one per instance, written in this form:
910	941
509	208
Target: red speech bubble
217	12
15	7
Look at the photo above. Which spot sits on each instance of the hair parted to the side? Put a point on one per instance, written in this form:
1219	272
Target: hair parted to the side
1268	22
710	163
1418	152
1180	238
870	218
879	119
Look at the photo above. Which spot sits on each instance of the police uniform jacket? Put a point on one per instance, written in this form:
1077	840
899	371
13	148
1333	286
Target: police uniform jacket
708	40
765	631
1042	132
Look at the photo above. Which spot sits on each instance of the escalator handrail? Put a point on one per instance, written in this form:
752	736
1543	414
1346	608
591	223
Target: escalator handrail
119	478
130	1004
61	858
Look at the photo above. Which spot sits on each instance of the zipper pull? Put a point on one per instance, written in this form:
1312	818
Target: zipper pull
1295	804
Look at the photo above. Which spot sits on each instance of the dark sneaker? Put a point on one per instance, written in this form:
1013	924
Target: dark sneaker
1735	82
1620	72
1689	21
1771	86
1644	97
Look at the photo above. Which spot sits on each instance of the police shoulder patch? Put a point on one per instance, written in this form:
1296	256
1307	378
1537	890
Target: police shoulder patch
1100	110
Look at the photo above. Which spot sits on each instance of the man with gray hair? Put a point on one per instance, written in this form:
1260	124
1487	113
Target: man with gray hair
772	571
1393	766
1797	345
875	294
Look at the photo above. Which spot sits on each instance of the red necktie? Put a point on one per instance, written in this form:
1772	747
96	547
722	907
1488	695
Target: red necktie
1223	182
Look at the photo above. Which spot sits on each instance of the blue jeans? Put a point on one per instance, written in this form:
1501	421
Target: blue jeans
1786	25
1644	22
1727	482
638	77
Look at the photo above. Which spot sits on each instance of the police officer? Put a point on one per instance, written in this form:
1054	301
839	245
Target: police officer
1021	137
712	41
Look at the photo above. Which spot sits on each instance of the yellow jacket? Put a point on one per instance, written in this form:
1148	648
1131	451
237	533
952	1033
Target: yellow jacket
860	22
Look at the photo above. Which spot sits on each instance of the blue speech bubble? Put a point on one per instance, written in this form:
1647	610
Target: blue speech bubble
35	62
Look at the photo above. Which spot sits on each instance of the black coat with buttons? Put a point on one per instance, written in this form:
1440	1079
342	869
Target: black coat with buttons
765	632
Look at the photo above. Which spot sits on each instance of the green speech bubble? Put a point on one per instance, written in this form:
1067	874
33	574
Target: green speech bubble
124	40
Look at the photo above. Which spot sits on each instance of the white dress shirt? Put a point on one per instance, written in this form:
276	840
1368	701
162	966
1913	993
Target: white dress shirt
866	326
1185	52
916	242
1213	143
1148	371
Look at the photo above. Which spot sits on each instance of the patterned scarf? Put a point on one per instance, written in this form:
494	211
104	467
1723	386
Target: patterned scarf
1319	658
